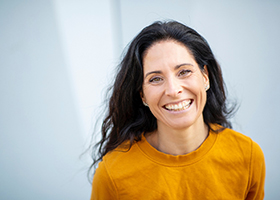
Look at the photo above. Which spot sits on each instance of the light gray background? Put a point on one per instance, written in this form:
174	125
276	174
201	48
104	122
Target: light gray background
57	57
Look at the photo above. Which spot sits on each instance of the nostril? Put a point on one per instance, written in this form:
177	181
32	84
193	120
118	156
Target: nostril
173	89
174	92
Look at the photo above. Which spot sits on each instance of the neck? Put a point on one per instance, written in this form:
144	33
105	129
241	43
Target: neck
178	142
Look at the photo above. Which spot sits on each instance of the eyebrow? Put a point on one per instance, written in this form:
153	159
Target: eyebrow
176	67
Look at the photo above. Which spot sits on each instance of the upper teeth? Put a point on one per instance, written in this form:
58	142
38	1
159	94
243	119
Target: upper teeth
180	106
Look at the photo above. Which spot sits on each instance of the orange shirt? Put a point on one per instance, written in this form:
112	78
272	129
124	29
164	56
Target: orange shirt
228	165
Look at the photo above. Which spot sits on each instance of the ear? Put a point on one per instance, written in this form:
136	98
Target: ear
205	76
142	96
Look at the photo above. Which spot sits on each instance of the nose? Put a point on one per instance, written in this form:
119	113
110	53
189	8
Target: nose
173	87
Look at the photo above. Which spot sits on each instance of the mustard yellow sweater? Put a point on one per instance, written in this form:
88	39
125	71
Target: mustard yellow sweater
228	165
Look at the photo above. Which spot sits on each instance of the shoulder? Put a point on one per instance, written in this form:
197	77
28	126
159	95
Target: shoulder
257	158
233	135
237	143
103	187
121	154
246	158
110	171
124	157
236	140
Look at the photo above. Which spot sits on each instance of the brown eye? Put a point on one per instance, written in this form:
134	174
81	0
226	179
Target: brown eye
156	79
184	72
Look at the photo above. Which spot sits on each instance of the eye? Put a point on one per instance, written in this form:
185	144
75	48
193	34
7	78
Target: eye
155	79
184	72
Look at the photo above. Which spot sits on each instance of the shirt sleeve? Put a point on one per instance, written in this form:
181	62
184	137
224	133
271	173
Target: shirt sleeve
103	188
257	174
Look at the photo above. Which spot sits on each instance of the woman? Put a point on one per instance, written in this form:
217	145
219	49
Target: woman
166	135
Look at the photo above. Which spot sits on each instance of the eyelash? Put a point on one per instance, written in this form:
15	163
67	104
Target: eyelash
154	79
181	73
185	72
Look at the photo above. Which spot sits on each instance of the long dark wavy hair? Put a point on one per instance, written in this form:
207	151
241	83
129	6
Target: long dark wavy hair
127	118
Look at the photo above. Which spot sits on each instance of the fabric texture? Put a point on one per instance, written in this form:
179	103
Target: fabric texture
228	165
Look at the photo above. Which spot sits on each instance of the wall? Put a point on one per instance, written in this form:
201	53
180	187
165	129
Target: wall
52	54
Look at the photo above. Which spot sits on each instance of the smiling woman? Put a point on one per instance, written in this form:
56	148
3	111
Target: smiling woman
174	90
167	134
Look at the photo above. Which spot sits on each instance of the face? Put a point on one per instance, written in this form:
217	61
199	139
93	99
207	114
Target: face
173	85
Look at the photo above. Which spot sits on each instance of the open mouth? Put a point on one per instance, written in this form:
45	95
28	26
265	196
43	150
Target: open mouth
178	106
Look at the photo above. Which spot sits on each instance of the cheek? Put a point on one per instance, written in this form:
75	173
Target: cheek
152	96
147	93
196	86
202	98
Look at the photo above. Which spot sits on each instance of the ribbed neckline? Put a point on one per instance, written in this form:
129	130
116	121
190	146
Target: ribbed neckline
180	160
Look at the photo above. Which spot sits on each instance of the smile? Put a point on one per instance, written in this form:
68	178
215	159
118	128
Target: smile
178	106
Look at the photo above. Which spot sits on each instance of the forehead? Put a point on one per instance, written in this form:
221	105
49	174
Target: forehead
167	52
